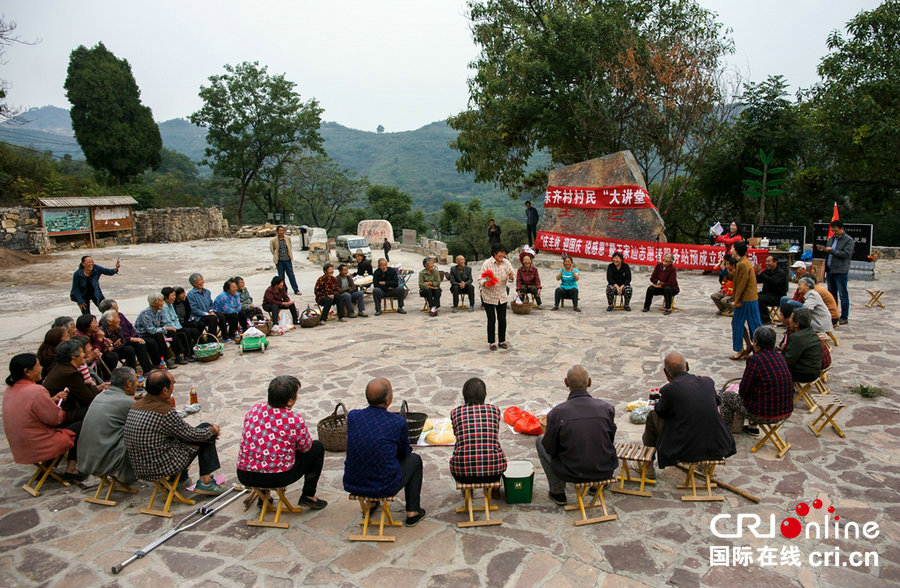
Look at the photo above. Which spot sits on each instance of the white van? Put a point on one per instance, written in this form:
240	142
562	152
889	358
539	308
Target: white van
345	246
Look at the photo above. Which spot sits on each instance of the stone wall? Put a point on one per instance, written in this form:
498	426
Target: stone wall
433	248
21	230
170	225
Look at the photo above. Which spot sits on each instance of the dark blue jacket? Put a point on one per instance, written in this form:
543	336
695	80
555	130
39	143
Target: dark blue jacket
376	442
80	284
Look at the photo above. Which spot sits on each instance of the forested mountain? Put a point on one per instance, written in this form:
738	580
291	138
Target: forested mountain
418	162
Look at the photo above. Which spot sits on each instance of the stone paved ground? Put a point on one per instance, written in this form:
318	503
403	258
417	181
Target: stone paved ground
58	539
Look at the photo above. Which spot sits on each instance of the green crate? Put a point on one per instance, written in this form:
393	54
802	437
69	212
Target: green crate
518	481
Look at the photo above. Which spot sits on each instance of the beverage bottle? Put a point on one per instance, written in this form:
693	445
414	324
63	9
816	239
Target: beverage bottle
193	396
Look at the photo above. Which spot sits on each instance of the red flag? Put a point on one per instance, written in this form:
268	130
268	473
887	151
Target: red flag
834	216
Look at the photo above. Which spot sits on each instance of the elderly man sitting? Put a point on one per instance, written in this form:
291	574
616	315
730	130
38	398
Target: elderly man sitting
578	444
461	283
685	425
803	349
821	318
161	445
766	392
102	444
379	459
151	324
800	270
200	301
387	285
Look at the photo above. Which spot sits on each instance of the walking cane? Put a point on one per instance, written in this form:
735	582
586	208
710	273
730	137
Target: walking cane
204	510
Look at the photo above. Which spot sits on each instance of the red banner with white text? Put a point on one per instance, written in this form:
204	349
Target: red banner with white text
694	257
597	197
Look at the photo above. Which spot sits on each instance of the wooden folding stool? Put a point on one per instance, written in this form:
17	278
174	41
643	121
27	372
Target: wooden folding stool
618	302
42	471
801	390
773	314
262	494
706	469
771	434
384	304
829	407
172	494
385	503
487	487
875	298
581	489
643	459
110	484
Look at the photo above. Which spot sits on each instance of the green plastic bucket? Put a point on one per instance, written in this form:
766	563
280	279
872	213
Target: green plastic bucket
518	481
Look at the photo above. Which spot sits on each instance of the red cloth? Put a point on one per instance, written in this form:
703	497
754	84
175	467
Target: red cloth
490	277
30	419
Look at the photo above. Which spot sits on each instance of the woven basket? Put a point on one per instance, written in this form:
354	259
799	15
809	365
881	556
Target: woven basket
415	421
265	327
207	352
332	430
309	318
520	307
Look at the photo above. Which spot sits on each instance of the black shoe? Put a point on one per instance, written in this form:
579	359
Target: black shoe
414	520
751	430
645	310
317	504
609	308
77	476
401	311
559	499
627	309
181	361
593	490
842	321
377	313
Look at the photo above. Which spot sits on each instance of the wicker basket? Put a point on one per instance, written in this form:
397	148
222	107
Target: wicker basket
208	351
265	327
520	307
332	430
309	318
415	421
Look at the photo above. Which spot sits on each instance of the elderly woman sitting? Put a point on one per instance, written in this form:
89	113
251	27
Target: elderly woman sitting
65	373
187	335
477	456
151	323
32	421
228	308
128	348
821	317
87	326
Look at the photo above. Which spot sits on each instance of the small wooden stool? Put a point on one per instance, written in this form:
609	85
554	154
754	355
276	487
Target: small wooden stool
801	390
384	304
834	338
643	458
44	470
875	298
771	434
283	505
111	484
663	307
829	406
821	384
773	314
488	507
385	512
706	469
581	489
619	302
172	494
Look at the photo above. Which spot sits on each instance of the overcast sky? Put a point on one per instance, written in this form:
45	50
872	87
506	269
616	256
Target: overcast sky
398	63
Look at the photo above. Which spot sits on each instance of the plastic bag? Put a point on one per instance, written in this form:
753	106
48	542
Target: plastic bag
285	321
511	415
638	416
522	421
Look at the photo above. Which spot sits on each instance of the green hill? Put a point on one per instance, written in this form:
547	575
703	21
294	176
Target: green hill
418	162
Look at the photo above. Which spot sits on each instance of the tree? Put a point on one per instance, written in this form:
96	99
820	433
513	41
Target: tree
581	79
320	190
389	203
380	129
116	133
255	122
856	108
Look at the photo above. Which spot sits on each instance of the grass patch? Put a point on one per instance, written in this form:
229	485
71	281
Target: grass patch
867	391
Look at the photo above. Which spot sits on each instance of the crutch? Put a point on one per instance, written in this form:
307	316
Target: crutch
204	510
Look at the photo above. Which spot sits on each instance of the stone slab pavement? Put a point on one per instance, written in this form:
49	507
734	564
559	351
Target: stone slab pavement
59	540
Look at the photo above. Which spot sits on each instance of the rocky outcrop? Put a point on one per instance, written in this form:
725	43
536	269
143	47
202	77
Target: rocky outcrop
171	225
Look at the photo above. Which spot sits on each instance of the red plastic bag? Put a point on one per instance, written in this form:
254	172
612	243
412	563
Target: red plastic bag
511	415
522	421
